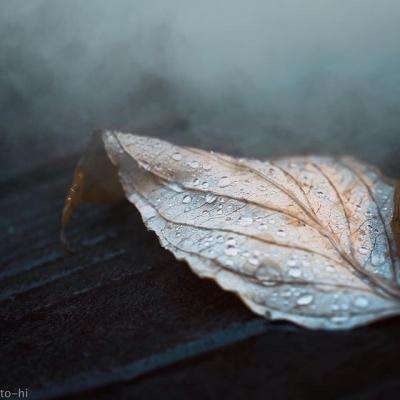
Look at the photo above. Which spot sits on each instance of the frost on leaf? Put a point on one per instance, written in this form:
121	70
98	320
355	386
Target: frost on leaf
306	239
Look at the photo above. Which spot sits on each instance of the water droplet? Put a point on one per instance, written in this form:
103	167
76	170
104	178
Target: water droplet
194	164
295	272
231	242
207	167
305	300
175	187
204	185
196	182
254	261
145	164
305	263
245	221
224	182
231	251
339	319
280	232
187	199
377	258
363	250
361	302
291	262
210	198
286	293
177	156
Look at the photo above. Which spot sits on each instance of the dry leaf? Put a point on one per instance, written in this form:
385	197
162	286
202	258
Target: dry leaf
396	216
305	239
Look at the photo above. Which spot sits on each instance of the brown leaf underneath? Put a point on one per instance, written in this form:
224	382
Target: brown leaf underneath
95	181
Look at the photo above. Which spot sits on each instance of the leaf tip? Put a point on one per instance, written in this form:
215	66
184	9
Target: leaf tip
72	201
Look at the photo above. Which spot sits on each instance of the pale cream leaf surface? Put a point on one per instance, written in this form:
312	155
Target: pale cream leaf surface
304	239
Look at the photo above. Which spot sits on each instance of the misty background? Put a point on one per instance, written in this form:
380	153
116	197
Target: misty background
260	78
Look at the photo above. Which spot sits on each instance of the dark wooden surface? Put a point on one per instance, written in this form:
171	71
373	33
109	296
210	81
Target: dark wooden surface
122	319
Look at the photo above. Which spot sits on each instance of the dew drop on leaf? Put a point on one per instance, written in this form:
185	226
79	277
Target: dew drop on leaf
187	199
210	198
224	182
361	302
231	242
295	272
254	261
231	251
177	156
245	221
305	300
363	250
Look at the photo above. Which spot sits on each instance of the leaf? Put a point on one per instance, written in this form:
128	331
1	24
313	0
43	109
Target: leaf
396	216
95	181
305	239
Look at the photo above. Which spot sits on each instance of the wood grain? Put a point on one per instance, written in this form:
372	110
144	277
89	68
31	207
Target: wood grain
121	318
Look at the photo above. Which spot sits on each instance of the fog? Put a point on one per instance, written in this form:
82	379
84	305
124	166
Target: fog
262	78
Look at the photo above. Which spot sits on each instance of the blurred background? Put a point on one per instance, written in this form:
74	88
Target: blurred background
261	78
